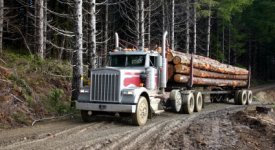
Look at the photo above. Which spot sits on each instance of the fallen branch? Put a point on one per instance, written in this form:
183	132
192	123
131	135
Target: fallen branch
3	61
16	98
51	118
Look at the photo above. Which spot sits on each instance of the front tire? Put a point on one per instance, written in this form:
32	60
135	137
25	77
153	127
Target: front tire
141	116
85	116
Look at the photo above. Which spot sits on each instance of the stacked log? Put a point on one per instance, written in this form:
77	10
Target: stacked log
206	71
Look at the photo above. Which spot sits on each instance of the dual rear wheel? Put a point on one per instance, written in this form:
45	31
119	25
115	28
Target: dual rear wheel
243	97
186	103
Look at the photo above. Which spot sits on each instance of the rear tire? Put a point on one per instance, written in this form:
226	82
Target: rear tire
242	97
236	98
141	116
188	103
85	116
249	97
176	101
198	102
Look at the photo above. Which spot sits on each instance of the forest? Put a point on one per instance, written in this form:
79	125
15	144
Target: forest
237	32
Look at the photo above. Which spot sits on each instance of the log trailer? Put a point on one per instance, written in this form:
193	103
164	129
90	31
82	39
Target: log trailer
135	84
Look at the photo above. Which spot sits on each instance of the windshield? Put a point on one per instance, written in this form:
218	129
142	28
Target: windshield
127	60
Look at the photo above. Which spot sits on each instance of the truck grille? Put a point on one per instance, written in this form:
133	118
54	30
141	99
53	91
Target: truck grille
105	87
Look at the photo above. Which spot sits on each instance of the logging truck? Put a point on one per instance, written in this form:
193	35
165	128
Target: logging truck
142	83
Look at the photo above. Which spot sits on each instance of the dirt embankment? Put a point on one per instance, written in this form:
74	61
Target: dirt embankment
266	97
31	89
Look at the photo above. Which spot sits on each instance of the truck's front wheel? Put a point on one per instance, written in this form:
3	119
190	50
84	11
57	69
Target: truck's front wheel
141	115
86	117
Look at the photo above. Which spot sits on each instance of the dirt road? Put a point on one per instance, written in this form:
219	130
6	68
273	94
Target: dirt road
166	131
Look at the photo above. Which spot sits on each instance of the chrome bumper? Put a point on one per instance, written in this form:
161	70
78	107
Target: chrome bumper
106	107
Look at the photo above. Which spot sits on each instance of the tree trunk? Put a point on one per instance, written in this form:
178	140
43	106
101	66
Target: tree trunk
195	27
210	82
206	63
40	28
187	44
92	35
229	45
1	24
163	17
106	35
77	80
45	26
149	25
142	29
208	31
137	22
173	26
183	69
223	41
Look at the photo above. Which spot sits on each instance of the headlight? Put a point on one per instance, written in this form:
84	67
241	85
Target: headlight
128	92
84	90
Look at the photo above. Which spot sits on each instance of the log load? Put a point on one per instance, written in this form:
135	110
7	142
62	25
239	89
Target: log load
206	71
204	63
211	82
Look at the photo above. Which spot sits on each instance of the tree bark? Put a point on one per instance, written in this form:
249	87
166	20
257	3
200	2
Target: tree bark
173	26
142	29
195	27
163	17
92	36
137	22
183	69
1	24
229	45
210	82
187	44
208	31
77	80
106	35
40	29
149	25
206	63
45	26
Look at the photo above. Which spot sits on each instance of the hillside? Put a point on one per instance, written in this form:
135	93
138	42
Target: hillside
31	89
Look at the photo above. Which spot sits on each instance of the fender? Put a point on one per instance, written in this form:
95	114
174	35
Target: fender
132	95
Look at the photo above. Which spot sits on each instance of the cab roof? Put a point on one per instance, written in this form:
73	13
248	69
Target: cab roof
133	52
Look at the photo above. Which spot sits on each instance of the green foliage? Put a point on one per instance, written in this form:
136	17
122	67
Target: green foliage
55	103
20	82
227	8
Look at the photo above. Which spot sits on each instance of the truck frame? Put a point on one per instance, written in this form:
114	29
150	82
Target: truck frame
135	84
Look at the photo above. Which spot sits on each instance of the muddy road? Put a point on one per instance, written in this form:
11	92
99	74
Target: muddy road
212	128
104	132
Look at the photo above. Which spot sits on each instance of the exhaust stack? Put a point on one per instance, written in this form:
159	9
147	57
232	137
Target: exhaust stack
164	64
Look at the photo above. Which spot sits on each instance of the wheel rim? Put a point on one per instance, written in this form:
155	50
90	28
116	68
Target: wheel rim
191	103
199	102
249	97
244	98
143	111
178	101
